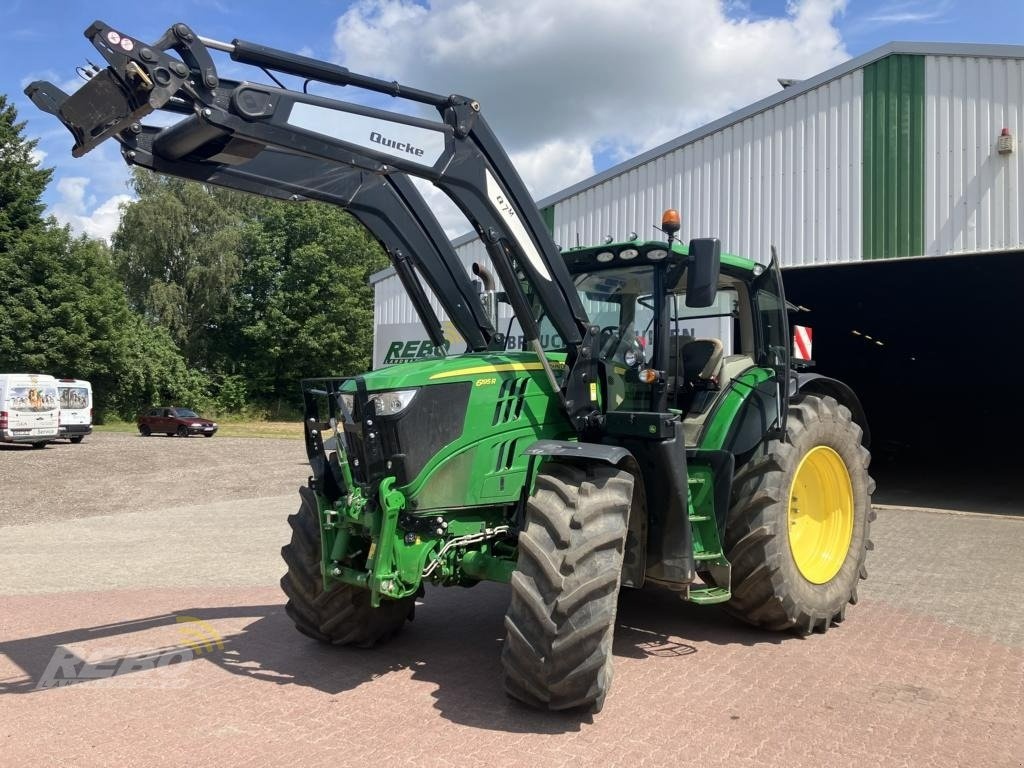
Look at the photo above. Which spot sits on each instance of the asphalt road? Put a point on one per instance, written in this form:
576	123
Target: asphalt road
928	668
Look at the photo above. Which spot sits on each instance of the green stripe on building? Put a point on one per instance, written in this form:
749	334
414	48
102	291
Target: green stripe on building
548	214
893	209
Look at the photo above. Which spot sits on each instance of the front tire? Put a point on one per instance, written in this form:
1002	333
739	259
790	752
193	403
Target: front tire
343	615
798	530
76	440
560	623
182	431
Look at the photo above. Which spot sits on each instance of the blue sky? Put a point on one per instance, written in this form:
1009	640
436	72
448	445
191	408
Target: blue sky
453	45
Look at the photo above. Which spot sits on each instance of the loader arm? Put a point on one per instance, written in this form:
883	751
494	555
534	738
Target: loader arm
391	208
232	123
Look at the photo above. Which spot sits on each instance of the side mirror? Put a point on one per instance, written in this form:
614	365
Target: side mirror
702	271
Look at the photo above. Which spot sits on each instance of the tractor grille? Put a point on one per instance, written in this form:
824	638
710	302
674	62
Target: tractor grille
511	397
433	419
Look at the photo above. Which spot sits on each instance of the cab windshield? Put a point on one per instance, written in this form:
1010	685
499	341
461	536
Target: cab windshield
620	301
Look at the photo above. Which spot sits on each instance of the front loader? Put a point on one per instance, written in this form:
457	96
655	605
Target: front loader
623	452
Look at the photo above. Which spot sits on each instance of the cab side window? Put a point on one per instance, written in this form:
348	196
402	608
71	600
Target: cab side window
773	331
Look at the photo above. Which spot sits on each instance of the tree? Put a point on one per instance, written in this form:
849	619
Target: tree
257	293
22	181
176	250
63	310
303	305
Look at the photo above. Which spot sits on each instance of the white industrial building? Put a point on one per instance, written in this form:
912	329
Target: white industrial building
907	151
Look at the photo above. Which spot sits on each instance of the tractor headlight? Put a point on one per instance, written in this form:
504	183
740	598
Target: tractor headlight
392	403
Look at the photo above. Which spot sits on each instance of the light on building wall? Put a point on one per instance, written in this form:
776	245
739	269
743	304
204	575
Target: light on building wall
1004	144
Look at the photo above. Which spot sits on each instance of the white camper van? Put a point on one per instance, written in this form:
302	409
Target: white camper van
75	409
29	408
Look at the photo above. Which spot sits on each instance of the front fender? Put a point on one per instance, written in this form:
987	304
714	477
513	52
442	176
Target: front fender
571	450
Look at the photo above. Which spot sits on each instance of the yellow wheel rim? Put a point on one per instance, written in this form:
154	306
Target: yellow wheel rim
820	514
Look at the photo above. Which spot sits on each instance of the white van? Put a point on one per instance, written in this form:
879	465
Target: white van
75	409
29	408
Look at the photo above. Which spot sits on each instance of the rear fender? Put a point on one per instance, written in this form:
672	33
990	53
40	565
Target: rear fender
815	383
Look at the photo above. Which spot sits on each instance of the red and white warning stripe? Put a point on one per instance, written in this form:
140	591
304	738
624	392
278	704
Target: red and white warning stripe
802	342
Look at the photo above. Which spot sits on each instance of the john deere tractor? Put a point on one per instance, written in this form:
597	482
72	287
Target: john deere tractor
625	452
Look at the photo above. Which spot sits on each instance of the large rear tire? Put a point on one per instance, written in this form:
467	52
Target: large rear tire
798	530
343	615
561	620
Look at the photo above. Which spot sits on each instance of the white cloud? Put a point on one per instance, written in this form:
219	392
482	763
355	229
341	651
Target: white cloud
553	165
77	208
37	156
911	12
562	82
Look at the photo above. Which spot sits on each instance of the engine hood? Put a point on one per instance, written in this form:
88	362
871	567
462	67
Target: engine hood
469	367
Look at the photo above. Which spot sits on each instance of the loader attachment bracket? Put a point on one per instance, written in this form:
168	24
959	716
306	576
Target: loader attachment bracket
140	78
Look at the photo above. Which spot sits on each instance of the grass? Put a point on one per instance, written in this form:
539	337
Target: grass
278	429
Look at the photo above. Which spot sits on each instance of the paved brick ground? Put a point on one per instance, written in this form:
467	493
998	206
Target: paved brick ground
922	674
928	670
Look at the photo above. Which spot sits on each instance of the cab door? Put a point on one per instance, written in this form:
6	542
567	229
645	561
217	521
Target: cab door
772	345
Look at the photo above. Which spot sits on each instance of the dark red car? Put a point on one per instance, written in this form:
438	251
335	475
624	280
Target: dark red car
175	421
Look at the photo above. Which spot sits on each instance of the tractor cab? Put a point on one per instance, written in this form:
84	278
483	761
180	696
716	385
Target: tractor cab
739	325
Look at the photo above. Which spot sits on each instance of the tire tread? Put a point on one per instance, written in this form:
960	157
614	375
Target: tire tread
764	593
560	621
342	615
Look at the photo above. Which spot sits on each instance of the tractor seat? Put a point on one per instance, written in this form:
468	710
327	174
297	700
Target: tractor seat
701	364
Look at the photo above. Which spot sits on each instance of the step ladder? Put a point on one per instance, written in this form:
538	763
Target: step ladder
708	554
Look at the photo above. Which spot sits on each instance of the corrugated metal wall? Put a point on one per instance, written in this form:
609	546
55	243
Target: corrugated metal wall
394	313
971	197
894	159
391	304
789	176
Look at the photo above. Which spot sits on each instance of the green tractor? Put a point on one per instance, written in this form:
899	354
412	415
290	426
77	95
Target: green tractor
612	447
